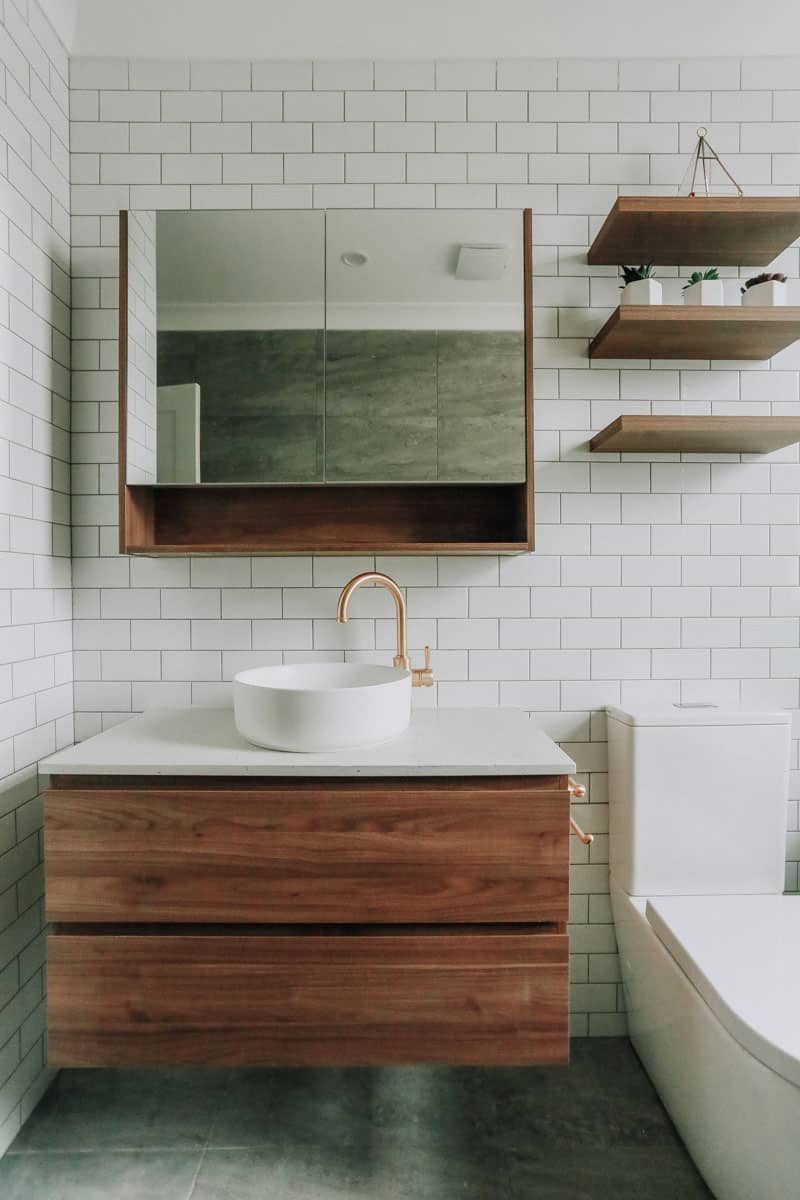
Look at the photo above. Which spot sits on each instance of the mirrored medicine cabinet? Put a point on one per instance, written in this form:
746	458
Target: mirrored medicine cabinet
325	381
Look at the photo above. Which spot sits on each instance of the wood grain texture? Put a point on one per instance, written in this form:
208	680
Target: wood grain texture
450	518
696	331
697	230
334	519
139	516
706	435
480	850
484	999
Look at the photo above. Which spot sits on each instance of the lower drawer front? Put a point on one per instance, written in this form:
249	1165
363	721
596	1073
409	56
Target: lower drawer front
494	998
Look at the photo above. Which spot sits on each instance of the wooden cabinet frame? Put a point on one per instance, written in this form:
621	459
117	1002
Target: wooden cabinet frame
445	518
307	921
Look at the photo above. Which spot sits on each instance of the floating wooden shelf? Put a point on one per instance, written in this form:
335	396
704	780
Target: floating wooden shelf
706	435
329	519
721	231
696	331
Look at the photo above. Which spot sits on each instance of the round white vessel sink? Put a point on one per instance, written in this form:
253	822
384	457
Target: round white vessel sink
313	707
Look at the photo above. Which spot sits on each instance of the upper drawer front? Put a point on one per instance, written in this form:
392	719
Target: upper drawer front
396	851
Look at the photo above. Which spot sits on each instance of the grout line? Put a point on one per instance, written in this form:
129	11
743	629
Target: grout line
198	1169
85	1151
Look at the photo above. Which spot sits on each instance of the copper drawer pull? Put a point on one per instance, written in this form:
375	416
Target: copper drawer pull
586	838
578	791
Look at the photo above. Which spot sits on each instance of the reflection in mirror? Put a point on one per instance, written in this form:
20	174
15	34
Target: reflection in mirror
425	351
239	318
303	347
140	397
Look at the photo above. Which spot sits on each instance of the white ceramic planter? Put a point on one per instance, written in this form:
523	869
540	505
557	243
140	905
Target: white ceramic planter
710	291
769	294
641	291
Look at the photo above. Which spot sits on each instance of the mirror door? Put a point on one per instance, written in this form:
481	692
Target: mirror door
326	352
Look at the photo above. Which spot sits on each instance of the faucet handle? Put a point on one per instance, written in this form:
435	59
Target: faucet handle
423	676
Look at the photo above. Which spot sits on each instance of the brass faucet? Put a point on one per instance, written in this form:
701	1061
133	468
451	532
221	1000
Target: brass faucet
420	676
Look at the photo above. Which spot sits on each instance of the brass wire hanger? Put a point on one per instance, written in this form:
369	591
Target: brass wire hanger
703	156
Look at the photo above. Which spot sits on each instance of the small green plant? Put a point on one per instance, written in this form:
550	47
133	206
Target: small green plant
764	277
701	276
633	274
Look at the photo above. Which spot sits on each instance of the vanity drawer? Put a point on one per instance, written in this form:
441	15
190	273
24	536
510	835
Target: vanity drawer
308	851
345	999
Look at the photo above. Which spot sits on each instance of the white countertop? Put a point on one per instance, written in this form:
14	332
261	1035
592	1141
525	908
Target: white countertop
204	741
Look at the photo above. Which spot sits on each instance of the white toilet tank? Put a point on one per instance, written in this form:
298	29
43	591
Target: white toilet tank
697	800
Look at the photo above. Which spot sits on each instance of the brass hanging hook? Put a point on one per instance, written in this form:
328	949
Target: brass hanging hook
704	154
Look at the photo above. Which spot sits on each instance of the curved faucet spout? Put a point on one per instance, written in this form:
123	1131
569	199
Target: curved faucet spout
420	676
401	657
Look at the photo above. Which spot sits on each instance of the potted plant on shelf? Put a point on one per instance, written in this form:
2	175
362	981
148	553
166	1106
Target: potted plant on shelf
639	286
704	287
765	289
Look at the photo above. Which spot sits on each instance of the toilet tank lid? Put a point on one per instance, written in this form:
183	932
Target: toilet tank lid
696	714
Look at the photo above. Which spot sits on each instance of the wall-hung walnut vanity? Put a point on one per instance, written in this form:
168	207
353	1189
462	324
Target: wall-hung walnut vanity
217	904
309	381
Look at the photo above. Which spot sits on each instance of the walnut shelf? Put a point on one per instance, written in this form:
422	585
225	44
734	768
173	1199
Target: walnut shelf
697	230
699	435
491	518
696	331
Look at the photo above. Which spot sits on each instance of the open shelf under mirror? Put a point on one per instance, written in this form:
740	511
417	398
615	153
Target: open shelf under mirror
340	519
448	405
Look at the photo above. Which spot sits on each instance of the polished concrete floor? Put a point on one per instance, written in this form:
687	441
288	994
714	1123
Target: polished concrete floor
593	1131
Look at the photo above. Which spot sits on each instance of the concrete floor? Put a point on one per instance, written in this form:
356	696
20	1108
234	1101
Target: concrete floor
593	1131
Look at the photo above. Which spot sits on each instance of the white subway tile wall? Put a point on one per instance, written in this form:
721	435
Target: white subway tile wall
655	579
36	689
